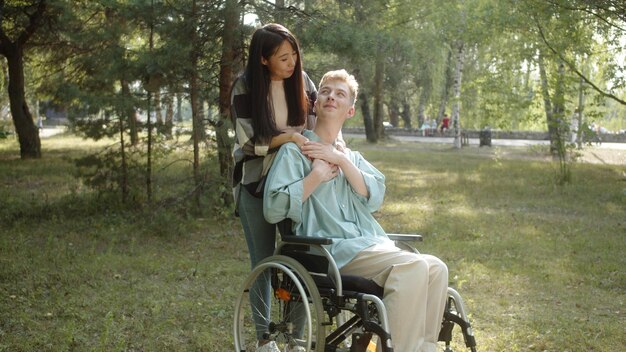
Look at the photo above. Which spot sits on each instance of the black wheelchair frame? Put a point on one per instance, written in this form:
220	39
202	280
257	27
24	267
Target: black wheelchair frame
308	288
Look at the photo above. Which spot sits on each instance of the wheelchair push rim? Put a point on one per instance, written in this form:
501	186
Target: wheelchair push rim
291	286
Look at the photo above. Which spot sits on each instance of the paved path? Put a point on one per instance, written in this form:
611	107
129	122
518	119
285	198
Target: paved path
494	142
51	131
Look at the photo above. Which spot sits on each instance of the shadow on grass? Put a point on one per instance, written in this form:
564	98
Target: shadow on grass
518	247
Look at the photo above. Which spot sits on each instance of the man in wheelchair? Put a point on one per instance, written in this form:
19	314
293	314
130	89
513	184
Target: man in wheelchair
332	194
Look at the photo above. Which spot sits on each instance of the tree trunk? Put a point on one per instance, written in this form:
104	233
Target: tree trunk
367	118
394	113
149	88
446	87
158	111
547	102
28	135
379	77
179	107
124	171
130	112
421	107
580	116
559	125
27	132
149	152
202	136
168	101
232	13
279	13
194	97
406	114
456	106
559	95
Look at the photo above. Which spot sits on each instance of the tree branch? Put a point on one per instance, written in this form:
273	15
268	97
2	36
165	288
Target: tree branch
608	10
33	22
4	39
573	68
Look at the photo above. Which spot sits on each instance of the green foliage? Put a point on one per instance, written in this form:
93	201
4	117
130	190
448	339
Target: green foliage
500	76
6	129
104	172
86	51
123	183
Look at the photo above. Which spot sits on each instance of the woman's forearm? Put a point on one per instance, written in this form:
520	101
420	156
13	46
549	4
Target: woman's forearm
286	137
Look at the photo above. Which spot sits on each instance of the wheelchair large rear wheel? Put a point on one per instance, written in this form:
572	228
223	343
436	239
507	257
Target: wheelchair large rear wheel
296	311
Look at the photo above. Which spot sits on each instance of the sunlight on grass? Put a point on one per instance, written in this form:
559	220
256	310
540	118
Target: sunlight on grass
539	266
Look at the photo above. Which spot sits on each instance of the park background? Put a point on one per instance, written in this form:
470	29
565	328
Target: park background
118	233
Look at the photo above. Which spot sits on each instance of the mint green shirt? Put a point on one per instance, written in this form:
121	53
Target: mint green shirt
334	210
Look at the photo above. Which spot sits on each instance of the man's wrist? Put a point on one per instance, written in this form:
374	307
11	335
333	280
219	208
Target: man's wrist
343	160
316	177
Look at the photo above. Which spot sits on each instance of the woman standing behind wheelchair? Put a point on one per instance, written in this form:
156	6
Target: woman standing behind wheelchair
271	102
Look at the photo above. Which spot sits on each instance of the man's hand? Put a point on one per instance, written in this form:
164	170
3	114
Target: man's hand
325	170
326	152
321	172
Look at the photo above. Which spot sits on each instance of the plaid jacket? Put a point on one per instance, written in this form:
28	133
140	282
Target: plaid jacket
253	158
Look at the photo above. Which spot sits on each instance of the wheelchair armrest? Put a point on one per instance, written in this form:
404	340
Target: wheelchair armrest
307	240
405	237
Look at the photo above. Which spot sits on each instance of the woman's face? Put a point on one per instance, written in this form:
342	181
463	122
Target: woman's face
282	64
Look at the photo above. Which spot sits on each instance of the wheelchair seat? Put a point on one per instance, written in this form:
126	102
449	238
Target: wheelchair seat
318	264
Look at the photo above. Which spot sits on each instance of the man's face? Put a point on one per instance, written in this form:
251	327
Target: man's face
333	100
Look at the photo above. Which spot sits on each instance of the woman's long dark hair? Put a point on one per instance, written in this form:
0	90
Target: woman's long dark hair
265	42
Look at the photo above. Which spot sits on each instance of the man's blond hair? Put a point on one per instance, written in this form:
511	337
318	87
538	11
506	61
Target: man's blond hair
343	76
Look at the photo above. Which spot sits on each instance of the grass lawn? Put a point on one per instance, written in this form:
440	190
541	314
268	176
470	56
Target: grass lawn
541	267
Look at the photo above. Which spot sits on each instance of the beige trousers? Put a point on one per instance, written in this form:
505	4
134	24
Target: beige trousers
415	292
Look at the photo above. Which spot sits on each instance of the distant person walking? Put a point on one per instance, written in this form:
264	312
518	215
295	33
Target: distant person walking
445	124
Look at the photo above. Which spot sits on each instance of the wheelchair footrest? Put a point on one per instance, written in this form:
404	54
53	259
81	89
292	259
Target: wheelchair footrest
360	342
445	334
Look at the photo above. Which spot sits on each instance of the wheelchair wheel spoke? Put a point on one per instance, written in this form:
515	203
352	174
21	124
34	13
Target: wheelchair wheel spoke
275	305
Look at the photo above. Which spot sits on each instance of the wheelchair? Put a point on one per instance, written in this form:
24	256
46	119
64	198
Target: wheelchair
315	307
